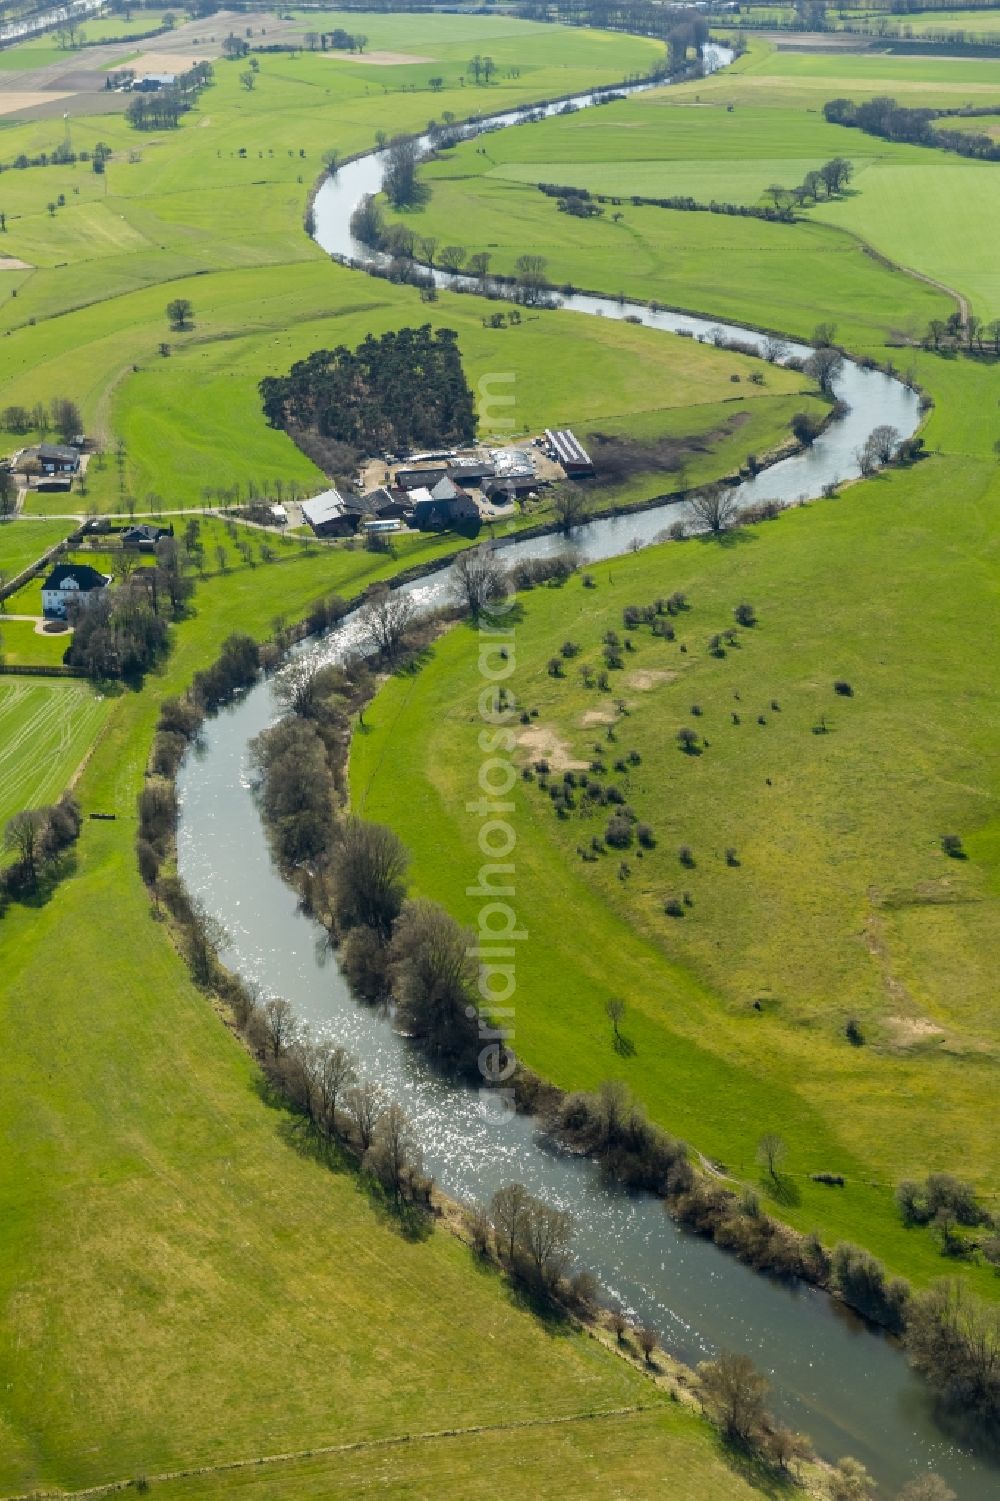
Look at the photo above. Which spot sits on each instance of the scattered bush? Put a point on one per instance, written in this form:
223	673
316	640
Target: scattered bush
843	688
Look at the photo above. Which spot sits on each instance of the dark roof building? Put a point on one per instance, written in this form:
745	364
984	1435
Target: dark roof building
413	479
386	504
445	505
144	536
510	486
569	452
71	583
471	472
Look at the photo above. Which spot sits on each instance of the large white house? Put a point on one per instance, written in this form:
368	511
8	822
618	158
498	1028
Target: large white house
71	583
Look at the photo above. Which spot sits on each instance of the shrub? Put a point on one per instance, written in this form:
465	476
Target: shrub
686	856
854	1032
687	740
645	836
732	859
843	688
744	614
618	832
952	846
569	649
673	908
861	1280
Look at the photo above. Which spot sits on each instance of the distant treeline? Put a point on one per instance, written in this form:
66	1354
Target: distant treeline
577	201
893	122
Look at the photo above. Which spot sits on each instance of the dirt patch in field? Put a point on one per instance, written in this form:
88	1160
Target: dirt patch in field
648	677
11	263
380	59
598	716
544	744
16	100
172	62
911	1031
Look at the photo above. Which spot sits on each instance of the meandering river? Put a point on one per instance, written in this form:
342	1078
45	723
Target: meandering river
849	1388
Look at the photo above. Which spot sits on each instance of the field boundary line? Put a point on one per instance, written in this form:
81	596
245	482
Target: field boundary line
113	1487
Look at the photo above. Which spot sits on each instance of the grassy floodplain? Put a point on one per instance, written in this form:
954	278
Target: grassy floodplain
180	1285
730	137
843	904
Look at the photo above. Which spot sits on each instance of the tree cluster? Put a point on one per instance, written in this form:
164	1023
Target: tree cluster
61	416
36	837
883	117
531	1238
406	389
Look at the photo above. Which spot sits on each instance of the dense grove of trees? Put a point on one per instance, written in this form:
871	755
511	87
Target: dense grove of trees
406	389
883	117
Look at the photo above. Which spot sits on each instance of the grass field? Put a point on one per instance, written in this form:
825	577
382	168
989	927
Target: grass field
22	542
176	1240
46	728
842	904
181	1285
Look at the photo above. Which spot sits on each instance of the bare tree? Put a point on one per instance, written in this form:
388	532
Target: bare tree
279	1025
771	1153
364	1105
735	1390
648	1340
884	440
369	875
715	508
823	366
434	975
546	1236
24	836
850	1481
329	1072
927	1488
384	619
508	1208
774	348
569	506
615	1012
480	579
394	1154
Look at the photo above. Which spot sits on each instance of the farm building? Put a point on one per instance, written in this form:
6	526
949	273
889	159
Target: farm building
470	473
513	463
415	479
385	504
152	83
144	537
70	584
54	458
443	506
332	514
507	487
569	452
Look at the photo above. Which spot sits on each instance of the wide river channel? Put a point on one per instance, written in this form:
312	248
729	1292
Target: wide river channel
845	1385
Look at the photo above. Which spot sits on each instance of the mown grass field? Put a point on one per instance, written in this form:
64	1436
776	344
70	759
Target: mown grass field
47	725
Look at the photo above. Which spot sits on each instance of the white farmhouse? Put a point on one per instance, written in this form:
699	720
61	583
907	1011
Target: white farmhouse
71	583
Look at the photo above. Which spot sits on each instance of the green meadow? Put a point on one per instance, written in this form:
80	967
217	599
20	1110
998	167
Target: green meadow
46	727
842	904
183	1284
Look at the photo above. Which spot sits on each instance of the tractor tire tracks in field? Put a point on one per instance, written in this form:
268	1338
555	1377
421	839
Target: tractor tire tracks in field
359	1446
